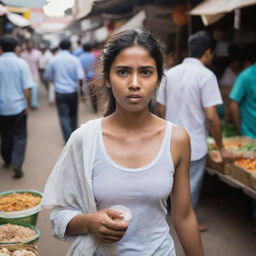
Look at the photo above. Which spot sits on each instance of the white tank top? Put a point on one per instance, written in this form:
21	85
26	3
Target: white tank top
144	191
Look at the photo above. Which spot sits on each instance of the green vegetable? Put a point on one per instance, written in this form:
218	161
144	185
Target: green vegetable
249	147
229	130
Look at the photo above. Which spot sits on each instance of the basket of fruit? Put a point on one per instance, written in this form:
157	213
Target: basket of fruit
245	171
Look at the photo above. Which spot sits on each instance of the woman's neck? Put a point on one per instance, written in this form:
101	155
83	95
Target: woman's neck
131	120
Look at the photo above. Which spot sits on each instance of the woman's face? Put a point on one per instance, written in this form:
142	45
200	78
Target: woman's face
133	78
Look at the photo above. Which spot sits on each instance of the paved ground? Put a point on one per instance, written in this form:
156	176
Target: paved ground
225	210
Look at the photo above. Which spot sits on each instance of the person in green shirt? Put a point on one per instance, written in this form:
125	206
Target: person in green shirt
243	102
243	108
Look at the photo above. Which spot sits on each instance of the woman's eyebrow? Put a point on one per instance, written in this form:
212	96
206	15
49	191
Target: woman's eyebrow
146	67
122	66
141	67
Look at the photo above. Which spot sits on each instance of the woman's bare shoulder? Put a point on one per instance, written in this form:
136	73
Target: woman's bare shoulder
179	135
180	143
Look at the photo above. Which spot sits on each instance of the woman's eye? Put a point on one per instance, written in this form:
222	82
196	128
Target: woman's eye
122	72
146	72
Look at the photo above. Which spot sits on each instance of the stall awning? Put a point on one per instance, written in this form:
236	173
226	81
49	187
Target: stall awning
212	10
87	8
3	10
26	3
135	22
82	8
18	20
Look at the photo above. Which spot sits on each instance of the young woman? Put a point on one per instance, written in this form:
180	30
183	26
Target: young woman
130	157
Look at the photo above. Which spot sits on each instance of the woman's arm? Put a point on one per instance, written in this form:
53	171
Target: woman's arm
183	216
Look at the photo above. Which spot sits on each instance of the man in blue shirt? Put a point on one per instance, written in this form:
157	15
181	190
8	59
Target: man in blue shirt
88	61
243	108
65	71
78	51
15	90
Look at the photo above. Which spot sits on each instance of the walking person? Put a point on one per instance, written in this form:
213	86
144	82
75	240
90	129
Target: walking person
243	109
65	71
31	56
188	97
88	61
44	61
243	102
78	51
15	90
130	157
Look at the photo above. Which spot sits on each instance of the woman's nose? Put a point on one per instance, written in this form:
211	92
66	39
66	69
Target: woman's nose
135	83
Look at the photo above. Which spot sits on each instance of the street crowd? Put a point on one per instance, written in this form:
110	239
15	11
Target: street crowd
26	68
129	136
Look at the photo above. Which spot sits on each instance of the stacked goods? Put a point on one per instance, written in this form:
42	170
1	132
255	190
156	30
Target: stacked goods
18	202
246	163
18	214
18	240
244	170
18	250
232	144
10	233
244	167
20	206
239	146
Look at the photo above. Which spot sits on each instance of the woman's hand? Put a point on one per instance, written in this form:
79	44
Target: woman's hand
102	224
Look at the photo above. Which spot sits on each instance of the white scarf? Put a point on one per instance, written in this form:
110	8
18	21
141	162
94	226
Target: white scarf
68	191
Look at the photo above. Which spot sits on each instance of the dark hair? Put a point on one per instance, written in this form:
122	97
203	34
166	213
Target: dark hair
121	41
65	44
8	43
87	47
199	43
29	40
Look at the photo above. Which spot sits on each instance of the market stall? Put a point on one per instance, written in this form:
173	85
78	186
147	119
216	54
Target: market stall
19	210
241	173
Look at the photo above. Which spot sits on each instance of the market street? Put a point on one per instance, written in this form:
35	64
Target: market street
224	210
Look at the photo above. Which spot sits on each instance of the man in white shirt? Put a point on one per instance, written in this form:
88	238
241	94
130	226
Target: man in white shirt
188	97
44	61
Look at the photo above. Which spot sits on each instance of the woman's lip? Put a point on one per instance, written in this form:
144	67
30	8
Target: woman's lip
134	99
134	96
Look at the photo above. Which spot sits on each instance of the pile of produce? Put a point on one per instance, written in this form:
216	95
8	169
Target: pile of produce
15	233
228	130
18	250
241	147
18	214
244	167
246	163
18	202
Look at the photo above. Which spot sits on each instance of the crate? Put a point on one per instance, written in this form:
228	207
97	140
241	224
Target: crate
253	181
240	174
214	162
